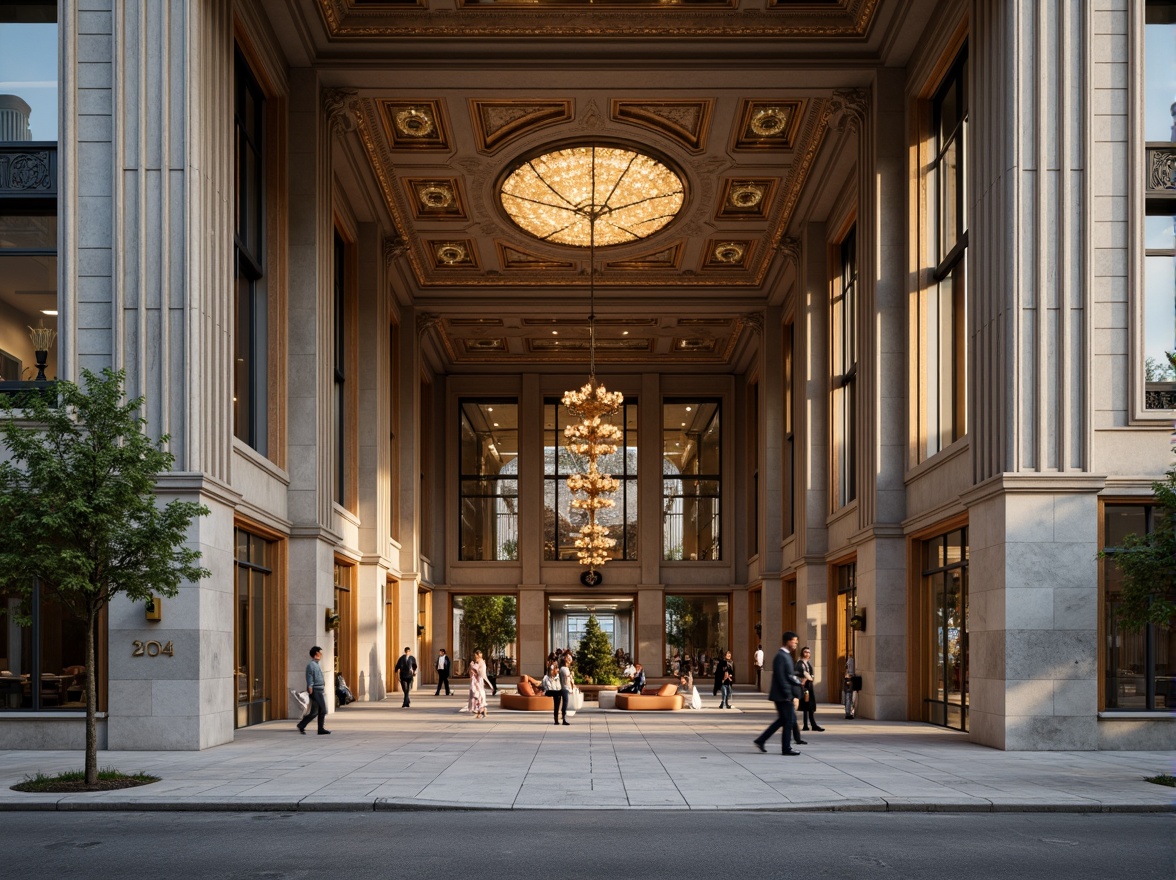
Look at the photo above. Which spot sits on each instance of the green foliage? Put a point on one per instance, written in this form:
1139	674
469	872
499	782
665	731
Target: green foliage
1148	565
77	501
78	510
1162	779
595	660
490	622
75	780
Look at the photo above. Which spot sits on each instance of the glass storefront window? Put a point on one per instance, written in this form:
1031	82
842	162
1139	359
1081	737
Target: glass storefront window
561	522
489	480
254	587
697	632
42	665
489	624
1136	663
691	480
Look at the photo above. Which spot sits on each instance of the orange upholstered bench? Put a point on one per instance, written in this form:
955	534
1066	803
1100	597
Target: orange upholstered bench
526	700
666	698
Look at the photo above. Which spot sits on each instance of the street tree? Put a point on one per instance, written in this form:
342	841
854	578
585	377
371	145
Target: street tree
79	517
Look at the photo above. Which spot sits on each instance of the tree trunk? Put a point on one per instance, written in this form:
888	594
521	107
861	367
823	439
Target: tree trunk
91	701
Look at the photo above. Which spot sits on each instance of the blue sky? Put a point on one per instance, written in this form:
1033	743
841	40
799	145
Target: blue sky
28	69
1160	76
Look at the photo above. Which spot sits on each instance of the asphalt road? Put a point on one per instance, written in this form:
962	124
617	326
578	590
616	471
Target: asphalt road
562	845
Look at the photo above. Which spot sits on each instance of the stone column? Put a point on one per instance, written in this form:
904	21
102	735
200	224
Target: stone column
1033	516
310	377
147	133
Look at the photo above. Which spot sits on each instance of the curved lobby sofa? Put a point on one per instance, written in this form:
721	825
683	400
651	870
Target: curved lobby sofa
523	703
665	698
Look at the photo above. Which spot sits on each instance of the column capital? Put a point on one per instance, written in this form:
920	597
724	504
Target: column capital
340	107
848	109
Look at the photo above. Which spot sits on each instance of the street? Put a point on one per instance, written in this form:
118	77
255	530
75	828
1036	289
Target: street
568	845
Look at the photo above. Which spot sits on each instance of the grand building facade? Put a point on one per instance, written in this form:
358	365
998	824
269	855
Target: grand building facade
890	316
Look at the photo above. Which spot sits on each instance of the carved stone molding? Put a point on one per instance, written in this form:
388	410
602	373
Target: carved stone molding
753	321
394	248
789	248
28	172
849	109
1161	170
340	107
426	321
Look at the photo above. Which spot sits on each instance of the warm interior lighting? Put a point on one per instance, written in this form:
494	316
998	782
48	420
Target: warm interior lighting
592	195
593	436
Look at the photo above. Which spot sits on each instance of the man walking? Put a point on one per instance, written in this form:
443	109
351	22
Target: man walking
316	688
406	668
759	664
785	694
442	672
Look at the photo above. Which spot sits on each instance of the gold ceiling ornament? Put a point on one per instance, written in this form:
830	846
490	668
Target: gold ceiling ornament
591	195
451	252
745	195
413	122
729	252
594	435
436	195
770	121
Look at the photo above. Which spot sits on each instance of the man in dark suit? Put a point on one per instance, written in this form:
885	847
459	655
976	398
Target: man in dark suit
406	668
443	665
785	693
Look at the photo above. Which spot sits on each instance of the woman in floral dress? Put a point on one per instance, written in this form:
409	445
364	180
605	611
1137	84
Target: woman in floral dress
477	703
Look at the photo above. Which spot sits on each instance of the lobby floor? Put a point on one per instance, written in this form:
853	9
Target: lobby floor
383	757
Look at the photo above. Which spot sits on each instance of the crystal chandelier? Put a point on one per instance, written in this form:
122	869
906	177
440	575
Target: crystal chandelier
593	436
592	194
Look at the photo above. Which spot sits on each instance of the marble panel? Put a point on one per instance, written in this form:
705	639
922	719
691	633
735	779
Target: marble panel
1076	518
1050	733
1048	565
987	653
1029	697
1029	608
1029	519
1050	654
129	697
1137	734
1075	697
94	22
1076	607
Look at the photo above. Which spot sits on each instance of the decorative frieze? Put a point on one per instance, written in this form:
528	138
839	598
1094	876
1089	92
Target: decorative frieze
1161	170
340	107
28	172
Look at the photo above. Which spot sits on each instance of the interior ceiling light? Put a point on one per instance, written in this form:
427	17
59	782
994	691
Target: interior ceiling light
591	194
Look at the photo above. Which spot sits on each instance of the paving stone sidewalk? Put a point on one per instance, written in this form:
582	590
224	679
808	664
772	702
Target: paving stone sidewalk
382	757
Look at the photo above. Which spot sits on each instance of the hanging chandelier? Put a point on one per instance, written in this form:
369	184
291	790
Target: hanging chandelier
582	196
593	436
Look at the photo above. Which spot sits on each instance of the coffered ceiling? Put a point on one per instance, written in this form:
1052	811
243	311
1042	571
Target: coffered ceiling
438	100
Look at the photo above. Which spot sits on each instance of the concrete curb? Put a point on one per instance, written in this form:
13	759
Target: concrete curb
385	805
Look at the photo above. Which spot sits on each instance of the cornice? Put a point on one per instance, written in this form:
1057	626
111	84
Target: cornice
1034	484
848	20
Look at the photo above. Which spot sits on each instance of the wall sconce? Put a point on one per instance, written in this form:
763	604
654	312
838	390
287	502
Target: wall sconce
154	608
420	630
331	621
858	621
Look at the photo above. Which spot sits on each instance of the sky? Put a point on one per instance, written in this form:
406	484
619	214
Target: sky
1160	81
28	69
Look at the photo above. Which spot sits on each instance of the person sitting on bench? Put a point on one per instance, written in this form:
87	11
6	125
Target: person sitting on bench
637	683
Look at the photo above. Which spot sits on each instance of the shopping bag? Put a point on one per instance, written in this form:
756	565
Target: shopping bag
695	699
301	698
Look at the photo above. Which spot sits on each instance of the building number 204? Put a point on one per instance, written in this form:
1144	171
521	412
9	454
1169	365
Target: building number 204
151	649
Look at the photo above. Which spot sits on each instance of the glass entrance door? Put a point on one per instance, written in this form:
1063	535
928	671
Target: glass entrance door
945	583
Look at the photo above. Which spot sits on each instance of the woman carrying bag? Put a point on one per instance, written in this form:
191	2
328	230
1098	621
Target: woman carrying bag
808	703
724	679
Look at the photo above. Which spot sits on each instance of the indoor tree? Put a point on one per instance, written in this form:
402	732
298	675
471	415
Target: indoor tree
79	516
595	660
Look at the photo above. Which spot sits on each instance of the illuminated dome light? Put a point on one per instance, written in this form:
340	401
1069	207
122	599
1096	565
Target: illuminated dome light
552	196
